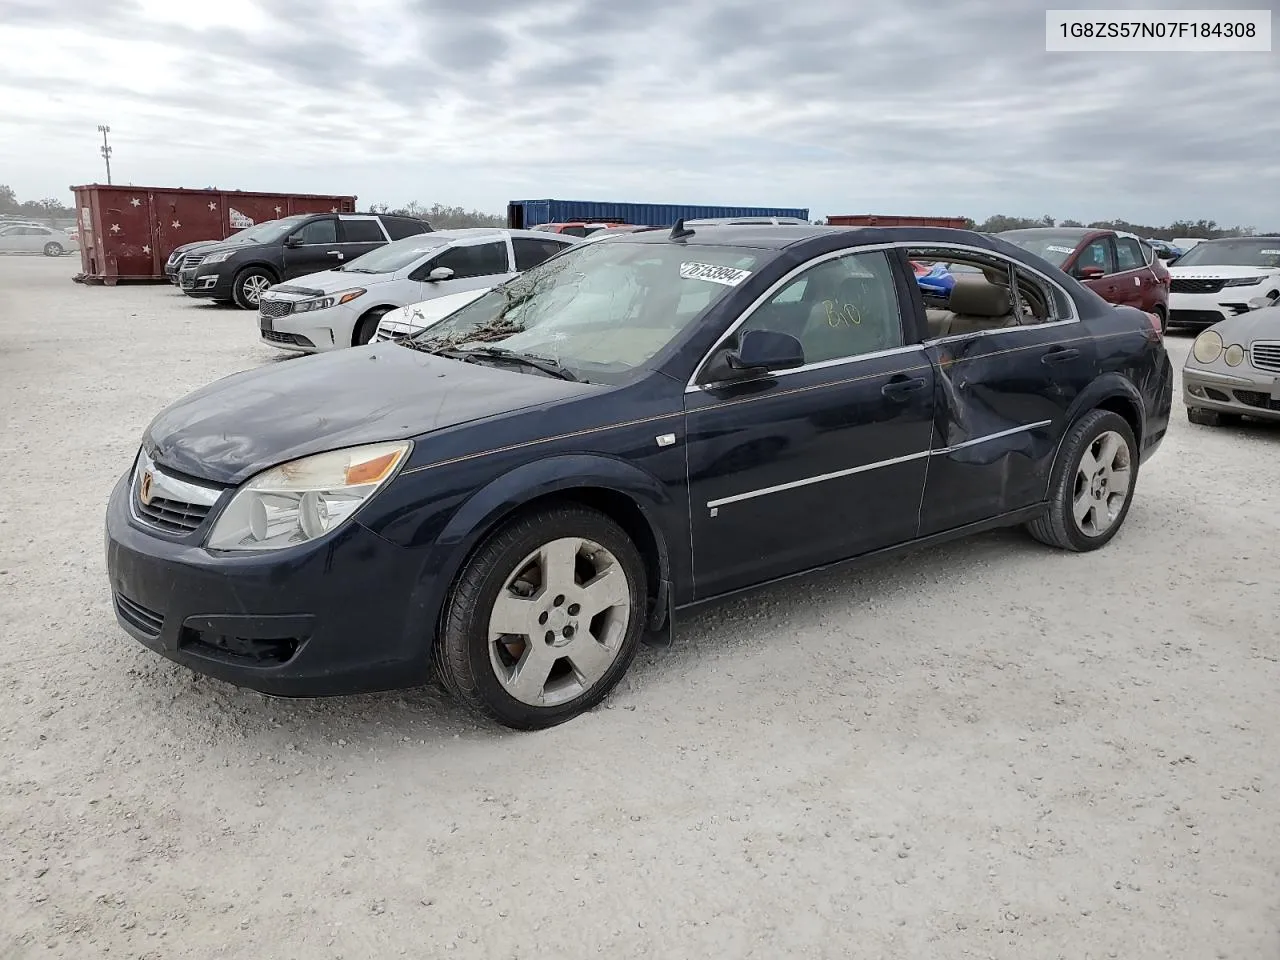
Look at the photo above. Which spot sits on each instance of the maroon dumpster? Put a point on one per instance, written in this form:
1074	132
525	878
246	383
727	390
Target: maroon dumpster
127	233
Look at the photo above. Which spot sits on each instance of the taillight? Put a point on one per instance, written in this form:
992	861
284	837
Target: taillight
1155	326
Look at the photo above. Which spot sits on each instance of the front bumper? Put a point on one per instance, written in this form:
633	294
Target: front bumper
1202	310
331	618
209	285
1248	396
315	331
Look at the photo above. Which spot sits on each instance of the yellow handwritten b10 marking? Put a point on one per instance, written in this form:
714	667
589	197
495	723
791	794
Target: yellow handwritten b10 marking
842	314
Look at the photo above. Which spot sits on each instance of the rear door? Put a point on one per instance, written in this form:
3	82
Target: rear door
317	249
1134	274
359	235
531	251
1004	389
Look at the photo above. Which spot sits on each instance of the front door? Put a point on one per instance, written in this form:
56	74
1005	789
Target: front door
317	251
474	265
1134	278
821	463
1005	382
1099	254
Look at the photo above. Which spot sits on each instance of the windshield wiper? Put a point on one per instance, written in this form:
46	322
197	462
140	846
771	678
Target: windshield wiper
357	270
543	364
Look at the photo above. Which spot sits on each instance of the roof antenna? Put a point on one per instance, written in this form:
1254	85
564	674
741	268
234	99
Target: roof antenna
680	231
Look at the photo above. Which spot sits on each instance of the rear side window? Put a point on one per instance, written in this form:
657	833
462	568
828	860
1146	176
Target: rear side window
481	260
577	230
400	227
530	252
361	231
1129	254
318	231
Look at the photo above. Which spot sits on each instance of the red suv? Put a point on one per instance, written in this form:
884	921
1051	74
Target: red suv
1117	266
578	228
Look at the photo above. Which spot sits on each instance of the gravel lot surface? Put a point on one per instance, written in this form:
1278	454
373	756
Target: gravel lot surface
991	749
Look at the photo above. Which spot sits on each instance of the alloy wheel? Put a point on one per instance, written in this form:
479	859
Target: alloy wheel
254	286
1103	481
559	622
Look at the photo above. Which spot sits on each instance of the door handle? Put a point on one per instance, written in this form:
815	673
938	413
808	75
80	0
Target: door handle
901	389
336	253
1060	355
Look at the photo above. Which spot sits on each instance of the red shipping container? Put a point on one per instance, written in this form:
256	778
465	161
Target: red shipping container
127	233
874	220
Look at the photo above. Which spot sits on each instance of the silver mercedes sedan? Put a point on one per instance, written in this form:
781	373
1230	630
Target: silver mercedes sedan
1233	370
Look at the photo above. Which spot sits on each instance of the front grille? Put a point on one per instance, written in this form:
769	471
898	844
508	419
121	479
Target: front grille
147	621
174	516
1263	401
274	309
1265	356
1202	318
192	260
1188	285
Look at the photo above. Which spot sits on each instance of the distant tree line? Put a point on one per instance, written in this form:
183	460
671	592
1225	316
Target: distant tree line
1200	229
444	217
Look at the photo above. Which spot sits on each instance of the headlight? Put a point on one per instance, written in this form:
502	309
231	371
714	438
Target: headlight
327	301
217	257
1234	355
304	499
1244	281
1208	347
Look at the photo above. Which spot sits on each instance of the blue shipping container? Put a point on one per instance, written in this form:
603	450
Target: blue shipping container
522	214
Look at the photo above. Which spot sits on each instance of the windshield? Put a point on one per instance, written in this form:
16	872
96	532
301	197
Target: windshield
264	232
1233	253
396	255
1049	245
599	310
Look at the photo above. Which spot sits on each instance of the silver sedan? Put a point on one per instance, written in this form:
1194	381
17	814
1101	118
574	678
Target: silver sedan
33	238
1233	370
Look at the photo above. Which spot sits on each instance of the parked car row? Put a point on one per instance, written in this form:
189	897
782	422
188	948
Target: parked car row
31	237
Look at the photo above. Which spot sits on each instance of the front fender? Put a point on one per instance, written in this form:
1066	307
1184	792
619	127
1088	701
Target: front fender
486	507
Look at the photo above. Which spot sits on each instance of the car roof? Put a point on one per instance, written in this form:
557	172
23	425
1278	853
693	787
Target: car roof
782	236
1268	237
463	233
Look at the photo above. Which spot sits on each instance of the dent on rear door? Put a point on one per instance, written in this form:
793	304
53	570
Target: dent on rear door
1001	409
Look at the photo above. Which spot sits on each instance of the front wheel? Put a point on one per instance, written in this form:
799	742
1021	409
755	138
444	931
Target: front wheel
1092	484
52	249
544	619
368	326
249	285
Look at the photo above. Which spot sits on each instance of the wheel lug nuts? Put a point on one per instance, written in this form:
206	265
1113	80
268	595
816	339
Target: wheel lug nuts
559	600
551	636
568	631
573	609
542	617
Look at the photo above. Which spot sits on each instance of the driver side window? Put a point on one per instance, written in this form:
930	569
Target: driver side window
838	309
1097	254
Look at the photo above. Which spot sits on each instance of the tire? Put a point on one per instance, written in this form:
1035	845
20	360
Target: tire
52	249
1163	314
1213	418
223	302
547	640
248	286
1074	484
368	326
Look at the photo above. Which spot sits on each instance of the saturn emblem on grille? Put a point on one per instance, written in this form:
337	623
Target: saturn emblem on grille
144	488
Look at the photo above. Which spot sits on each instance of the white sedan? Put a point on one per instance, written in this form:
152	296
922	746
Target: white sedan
34	238
343	307
416	317
1219	279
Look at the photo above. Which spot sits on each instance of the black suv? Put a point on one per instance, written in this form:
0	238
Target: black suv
238	269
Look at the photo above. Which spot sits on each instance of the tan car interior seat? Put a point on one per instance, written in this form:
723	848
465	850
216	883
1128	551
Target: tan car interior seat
975	304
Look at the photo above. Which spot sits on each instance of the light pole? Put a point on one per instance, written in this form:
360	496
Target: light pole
106	149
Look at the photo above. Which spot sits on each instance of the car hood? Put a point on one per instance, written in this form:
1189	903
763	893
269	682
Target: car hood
426	312
327	281
1261	324
237	426
1220	272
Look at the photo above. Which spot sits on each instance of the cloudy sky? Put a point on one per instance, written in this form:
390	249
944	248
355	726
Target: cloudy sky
939	107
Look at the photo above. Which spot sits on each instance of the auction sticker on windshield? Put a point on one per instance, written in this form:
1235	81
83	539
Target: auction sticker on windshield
729	276
1060	249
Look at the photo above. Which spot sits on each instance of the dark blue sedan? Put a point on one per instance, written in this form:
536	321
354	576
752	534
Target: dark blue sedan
515	497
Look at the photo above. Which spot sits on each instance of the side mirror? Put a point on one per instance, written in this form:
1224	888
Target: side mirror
294	241
1090	273
760	352
440	273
